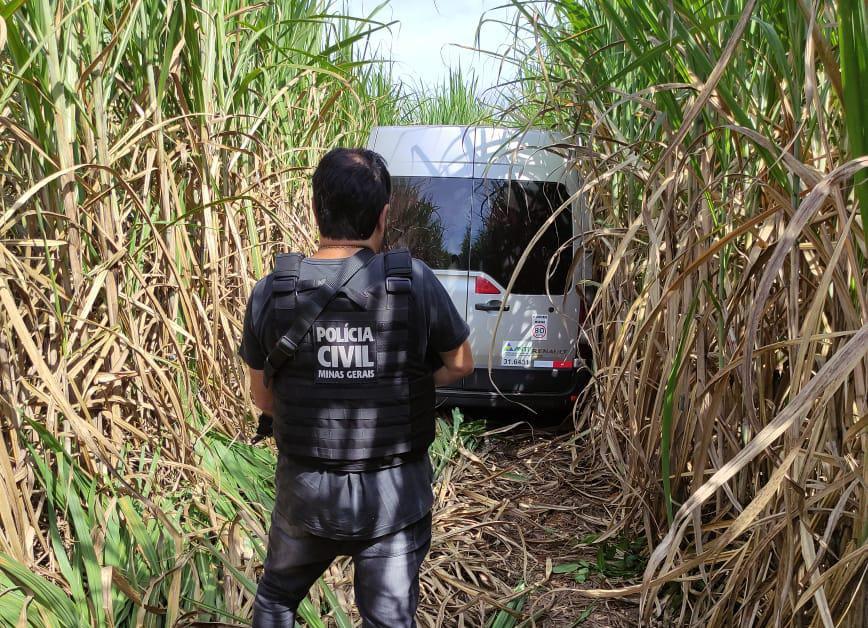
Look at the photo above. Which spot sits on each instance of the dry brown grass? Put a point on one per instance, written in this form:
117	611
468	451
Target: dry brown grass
153	158
730	327
509	512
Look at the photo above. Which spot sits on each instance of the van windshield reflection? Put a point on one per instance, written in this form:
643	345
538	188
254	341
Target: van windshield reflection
485	225
431	217
505	216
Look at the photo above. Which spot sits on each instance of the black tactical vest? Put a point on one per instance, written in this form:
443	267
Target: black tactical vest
357	394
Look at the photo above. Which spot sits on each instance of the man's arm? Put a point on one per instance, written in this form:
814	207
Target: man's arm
261	394
446	329
253	353
457	363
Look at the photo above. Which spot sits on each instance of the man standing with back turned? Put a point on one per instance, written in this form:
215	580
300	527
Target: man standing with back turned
345	349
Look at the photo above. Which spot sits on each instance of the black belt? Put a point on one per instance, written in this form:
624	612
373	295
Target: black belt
355	466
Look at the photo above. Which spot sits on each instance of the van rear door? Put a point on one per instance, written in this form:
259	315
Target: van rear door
533	348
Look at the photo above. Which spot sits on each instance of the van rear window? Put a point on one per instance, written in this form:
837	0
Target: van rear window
505	216
483	224
431	217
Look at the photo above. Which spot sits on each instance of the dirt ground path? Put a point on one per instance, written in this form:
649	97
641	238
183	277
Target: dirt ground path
524	509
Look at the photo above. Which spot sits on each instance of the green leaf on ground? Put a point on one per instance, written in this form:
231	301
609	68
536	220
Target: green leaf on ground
583	616
565	568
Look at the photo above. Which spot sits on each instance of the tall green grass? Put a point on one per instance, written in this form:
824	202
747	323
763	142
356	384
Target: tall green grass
141	551
154	156
455	99
852	37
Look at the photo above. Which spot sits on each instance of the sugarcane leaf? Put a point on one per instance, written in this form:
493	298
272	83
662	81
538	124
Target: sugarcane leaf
58	607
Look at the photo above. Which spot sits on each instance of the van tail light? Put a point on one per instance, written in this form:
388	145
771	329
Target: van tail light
483	286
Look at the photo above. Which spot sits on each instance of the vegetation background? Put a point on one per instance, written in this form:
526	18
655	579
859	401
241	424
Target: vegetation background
154	155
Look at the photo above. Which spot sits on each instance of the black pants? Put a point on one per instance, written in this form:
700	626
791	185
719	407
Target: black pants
386	581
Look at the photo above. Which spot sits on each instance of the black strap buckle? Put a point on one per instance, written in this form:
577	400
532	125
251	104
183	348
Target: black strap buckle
398	285
283	283
284	350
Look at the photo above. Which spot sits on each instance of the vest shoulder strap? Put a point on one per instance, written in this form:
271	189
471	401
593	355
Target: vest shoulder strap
280	281
284	278
398	265
287	268
289	263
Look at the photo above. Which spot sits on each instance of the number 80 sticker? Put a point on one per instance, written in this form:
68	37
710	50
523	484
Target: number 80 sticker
540	329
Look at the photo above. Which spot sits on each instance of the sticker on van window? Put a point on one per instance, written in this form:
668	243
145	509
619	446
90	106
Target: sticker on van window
540	329
516	353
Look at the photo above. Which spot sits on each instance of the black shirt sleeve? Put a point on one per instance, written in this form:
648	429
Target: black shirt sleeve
446	326
251	349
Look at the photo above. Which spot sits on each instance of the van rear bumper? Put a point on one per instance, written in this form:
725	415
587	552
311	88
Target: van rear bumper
481	399
533	388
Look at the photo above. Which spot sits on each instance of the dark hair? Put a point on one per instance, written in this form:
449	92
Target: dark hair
350	188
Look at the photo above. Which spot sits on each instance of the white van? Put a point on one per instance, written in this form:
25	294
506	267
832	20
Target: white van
467	201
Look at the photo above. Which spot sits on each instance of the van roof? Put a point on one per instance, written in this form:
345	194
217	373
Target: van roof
472	151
